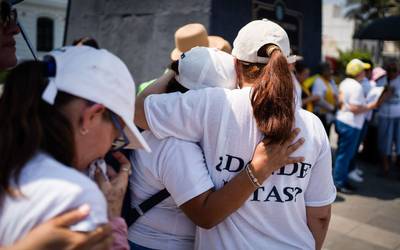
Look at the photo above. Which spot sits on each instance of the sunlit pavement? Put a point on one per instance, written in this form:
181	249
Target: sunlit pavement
370	218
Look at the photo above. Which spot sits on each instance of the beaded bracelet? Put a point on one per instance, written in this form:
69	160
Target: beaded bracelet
253	179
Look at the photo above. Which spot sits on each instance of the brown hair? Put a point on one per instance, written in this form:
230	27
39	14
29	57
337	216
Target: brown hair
272	97
29	124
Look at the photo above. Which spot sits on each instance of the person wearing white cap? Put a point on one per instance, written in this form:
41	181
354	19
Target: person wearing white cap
350	119
179	167
57	117
290	208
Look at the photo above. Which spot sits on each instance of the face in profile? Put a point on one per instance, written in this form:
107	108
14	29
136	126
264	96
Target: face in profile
8	29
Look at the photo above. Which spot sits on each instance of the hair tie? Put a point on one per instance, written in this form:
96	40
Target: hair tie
271	49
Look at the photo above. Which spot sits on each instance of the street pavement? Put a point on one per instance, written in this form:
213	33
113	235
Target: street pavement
370	218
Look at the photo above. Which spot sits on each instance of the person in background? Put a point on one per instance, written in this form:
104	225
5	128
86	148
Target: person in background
292	60
350	119
51	115
190	36
355	173
307	99
325	87
389	119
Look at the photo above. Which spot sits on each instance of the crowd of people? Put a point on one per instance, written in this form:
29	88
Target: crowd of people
220	152
367	97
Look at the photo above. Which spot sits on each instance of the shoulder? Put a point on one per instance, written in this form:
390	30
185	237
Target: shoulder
310	125
319	82
53	174
308	118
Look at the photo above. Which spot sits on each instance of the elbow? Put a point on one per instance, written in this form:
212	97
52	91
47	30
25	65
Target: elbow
206	222
139	112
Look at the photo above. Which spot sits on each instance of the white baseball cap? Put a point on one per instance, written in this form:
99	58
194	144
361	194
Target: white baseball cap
256	34
203	67
98	76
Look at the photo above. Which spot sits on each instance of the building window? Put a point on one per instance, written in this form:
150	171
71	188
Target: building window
45	34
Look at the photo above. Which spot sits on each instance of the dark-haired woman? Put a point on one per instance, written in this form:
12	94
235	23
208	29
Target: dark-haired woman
292	209
67	111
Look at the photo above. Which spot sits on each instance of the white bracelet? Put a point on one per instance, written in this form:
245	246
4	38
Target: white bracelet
253	179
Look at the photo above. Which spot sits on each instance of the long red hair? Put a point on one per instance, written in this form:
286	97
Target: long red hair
273	97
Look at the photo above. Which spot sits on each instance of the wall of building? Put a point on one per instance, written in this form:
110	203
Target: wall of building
337	32
28	13
301	19
140	32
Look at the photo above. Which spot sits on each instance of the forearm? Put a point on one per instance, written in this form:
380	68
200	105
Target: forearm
324	104
158	87
318	228
120	234
215	206
359	109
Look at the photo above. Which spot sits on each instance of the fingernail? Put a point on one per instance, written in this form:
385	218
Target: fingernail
302	140
84	209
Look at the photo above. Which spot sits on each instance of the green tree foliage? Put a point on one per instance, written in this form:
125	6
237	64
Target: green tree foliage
346	56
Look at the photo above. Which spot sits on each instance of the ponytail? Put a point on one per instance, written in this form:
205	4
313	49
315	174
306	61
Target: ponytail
29	124
273	99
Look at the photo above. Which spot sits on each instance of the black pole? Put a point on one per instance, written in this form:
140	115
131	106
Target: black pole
67	22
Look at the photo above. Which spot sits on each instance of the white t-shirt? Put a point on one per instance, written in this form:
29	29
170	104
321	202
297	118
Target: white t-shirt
179	167
352	94
222	121
49	188
391	108
297	89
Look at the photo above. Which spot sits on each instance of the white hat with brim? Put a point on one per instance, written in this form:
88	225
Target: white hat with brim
100	77
253	36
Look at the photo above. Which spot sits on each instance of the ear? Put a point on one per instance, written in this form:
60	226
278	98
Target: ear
91	115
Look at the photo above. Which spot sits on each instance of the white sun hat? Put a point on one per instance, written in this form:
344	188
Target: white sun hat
255	35
100	77
203	67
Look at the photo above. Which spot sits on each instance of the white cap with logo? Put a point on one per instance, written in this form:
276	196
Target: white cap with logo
203	67
98	76
255	35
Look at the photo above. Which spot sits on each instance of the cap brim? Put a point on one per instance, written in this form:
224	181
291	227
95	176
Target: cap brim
136	139
366	65
291	59
175	54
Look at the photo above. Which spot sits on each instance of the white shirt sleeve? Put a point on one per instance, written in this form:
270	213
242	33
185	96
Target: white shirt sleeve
182	116
321	190
183	171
